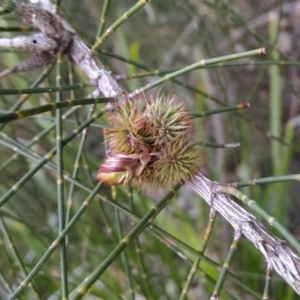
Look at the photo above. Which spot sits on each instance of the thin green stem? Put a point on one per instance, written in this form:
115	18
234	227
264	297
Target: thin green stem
202	63
266	180
60	185
50	107
104	13
219	65
5	284
79	157
20	102
266	294
195	266
17	115
275	96
104	217
35	140
25	152
79	153
124	257
55	243
47	158
50	89
171	241
86	166
139	254
84	287
128	14
226	265
57	4
77	160
271	220
193	89
221	110
220	145
38	80
17	257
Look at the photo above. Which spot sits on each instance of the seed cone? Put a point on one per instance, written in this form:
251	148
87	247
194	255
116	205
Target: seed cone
150	144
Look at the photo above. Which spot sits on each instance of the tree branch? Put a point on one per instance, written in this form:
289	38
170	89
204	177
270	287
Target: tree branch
278	254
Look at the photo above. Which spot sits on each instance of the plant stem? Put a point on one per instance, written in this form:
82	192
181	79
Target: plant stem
50	89
104	13
60	185
275	96
120	21
195	266
277	253
225	267
56	242
47	158
202	63
83	288
17	115
271	220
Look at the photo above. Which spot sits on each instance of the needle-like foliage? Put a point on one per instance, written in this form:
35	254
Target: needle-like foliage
67	235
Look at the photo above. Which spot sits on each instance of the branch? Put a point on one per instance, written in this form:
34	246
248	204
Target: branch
278	254
34	42
94	69
57	35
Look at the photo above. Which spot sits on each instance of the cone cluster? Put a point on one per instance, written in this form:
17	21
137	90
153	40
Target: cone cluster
150	144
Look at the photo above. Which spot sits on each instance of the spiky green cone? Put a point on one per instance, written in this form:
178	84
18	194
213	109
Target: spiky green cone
150	144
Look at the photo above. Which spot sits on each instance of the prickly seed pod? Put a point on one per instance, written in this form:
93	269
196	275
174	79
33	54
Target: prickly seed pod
169	121
146	122
180	159
128	133
150	144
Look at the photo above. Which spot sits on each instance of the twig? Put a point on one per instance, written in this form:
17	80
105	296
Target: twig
278	254
57	35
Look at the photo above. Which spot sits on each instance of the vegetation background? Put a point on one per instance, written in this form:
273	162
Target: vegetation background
164	36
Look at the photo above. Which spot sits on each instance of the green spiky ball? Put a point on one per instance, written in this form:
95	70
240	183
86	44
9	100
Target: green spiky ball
151	137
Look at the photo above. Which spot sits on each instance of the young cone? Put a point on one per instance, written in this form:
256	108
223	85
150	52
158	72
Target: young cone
150	144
